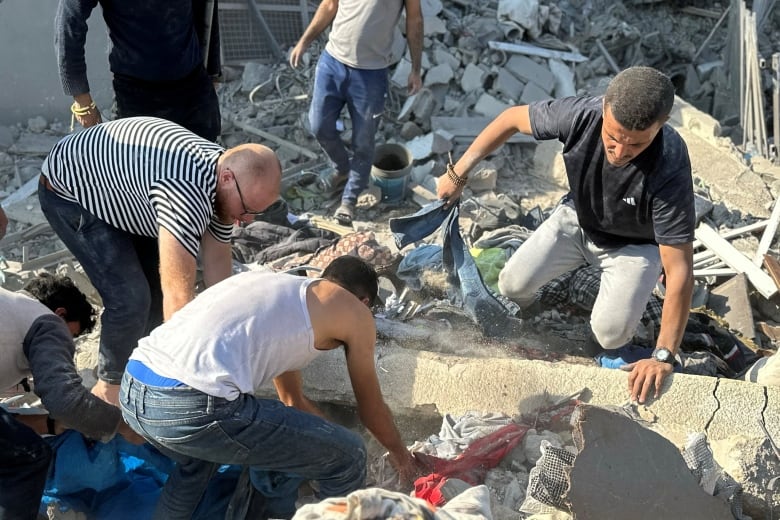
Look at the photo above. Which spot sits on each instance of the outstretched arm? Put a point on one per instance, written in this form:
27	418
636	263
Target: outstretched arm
414	38
372	409
495	134
648	374
323	17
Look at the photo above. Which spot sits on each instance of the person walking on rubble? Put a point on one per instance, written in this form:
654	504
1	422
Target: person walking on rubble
39	324
157	60
352	71
630	211
136	201
189	386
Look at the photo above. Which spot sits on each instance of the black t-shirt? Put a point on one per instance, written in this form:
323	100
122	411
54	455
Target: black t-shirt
648	200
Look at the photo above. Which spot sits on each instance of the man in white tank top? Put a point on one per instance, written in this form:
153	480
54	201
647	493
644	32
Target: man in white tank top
352	71
189	387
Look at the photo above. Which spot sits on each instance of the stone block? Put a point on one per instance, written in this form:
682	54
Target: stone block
472	78
564	78
731	300
439	75
532	92
489	106
442	56
508	85
401	73
433	25
527	70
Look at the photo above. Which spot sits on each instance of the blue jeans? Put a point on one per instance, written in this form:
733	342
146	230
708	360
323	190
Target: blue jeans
123	267
493	317
282	445
24	463
363	92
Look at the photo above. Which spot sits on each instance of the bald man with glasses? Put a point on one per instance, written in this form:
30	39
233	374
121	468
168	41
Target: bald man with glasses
137	201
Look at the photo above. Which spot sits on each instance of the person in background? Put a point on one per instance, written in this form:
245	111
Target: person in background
189	387
39	324
630	211
137	201
163	57
352	71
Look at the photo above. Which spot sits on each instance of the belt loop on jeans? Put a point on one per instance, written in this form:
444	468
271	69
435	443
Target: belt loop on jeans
209	404
142	398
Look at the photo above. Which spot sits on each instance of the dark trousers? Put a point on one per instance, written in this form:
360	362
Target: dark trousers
24	463
123	267
190	102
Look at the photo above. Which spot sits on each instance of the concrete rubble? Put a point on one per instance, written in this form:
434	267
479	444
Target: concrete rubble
480	58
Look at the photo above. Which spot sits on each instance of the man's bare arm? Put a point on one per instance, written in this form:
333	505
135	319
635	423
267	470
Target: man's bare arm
289	387
414	39
495	134
177	274
217	260
648	374
323	17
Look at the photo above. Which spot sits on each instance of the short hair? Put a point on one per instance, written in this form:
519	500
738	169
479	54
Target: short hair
355	275
638	97
55	291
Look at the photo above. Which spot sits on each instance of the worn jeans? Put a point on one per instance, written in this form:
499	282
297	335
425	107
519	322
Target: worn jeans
492	315
24	463
363	92
123	267
282	445
628	274
190	102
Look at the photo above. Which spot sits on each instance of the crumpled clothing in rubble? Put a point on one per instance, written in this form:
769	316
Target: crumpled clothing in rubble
375	503
425	257
716	482
548	481
493	314
263	242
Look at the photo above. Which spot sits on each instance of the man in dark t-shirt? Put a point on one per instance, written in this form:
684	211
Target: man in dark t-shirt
629	211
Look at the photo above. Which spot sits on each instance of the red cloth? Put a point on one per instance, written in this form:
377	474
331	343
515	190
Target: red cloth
470	466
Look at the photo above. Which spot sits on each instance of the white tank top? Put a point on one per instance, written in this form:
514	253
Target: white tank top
235	336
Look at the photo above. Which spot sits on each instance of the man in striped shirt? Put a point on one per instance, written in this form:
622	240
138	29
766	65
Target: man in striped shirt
136	201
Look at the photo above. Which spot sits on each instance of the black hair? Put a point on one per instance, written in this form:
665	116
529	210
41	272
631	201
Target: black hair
355	275
55	291
638	97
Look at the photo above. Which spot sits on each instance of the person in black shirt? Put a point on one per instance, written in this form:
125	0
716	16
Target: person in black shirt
163	57
630	211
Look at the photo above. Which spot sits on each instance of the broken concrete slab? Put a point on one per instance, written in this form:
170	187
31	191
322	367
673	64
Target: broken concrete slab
532	92
605	483
528	71
731	300
438	75
473	78
508	85
465	129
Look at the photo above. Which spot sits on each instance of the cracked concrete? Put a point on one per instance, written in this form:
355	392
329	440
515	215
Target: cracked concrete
727	410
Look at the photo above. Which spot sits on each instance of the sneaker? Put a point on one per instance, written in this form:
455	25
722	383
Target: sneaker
345	214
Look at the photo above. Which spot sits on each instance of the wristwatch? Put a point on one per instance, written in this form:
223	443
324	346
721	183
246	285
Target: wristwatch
664	355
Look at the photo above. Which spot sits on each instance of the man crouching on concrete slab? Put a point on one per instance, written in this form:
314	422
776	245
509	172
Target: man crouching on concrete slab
38	326
189	386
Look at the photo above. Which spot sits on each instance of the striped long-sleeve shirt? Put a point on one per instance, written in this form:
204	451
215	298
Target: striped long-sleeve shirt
140	173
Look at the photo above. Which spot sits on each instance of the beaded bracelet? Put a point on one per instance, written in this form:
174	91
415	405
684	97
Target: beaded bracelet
457	180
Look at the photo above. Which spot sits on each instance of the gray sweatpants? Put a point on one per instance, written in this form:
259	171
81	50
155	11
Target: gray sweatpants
628	275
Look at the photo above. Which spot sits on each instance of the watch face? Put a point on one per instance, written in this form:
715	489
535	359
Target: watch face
662	354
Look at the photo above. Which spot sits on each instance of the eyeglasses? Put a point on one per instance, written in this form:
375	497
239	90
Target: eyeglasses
243	204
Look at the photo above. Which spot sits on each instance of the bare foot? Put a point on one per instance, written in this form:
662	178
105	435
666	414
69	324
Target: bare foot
107	392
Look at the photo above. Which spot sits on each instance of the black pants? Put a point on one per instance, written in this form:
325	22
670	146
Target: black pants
24	463
191	101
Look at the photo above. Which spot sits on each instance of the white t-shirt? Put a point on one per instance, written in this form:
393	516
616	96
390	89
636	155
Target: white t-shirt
236	336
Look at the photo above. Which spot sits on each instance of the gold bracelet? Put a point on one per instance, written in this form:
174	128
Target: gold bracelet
457	180
79	111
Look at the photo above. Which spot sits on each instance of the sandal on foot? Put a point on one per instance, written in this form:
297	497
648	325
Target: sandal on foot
345	214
